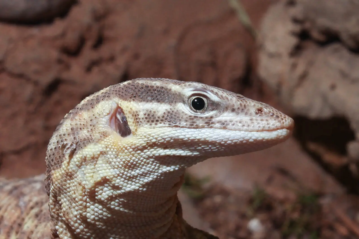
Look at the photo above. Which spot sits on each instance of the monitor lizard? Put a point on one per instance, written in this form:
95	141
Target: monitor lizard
117	160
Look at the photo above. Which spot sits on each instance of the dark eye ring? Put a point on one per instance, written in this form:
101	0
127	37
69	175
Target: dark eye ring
198	104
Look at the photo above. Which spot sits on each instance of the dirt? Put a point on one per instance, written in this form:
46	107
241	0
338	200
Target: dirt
258	215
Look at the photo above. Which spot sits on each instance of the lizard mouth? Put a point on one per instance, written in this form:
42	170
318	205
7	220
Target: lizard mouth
289	128
288	125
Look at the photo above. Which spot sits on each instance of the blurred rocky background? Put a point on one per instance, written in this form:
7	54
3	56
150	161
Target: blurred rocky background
301	56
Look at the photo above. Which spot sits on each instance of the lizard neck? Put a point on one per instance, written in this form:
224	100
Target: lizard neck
153	199
129	194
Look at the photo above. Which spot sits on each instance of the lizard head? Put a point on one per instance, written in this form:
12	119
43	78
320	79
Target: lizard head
179	118
191	118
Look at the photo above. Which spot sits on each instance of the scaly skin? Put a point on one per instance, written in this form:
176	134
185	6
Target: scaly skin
116	161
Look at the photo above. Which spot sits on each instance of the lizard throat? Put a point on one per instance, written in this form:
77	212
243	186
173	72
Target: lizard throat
134	200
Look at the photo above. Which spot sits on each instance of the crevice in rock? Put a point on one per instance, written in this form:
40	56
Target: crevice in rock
246	80
52	87
30	13
324	39
75	50
125	76
334	133
99	42
326	141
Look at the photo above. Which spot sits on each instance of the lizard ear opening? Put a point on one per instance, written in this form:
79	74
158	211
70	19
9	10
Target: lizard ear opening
118	122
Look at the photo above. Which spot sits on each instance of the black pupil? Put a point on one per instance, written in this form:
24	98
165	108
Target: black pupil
198	103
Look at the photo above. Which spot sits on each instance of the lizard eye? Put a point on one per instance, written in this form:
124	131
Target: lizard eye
198	104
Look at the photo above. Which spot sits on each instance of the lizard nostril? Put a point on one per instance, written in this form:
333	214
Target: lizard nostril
259	111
